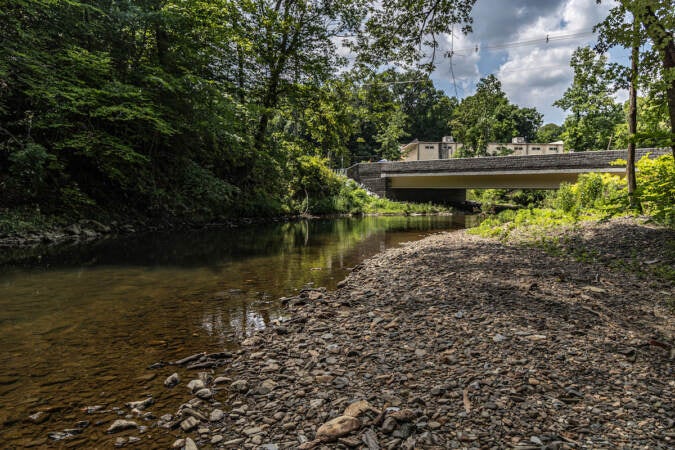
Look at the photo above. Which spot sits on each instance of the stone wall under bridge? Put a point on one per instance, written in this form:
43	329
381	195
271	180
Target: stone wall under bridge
445	181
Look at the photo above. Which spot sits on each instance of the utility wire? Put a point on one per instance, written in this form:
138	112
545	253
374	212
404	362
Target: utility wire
452	70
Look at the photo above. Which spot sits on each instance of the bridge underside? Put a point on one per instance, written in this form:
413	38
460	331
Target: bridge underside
512	180
446	180
451	189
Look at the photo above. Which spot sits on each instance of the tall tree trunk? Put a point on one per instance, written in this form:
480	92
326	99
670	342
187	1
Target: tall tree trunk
632	118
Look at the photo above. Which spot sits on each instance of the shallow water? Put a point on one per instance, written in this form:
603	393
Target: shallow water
80	326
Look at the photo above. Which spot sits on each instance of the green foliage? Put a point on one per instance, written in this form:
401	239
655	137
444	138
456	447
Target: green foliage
487	116
594	196
528	221
653	129
548	133
195	111
593	112
603	194
656	187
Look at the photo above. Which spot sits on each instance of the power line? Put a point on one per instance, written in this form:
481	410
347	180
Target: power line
452	70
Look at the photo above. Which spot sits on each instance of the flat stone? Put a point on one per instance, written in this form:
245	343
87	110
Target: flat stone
252	431
141	404
121	425
340	426
204	394
190	444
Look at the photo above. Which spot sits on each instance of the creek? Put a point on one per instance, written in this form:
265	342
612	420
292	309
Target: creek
79	326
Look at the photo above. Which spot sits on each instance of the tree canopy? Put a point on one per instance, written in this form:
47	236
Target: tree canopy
198	110
593	111
488	116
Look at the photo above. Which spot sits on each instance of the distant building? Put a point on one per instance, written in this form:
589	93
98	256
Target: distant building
447	148
424	151
518	147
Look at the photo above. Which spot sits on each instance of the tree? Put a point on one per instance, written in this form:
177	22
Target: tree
548	133
594	114
653	125
657	19
427	108
406	32
487	116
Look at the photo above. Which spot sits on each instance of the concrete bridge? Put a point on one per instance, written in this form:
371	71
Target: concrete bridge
446	180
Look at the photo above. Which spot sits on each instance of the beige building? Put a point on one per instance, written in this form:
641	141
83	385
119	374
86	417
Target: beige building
518	147
447	148
425	151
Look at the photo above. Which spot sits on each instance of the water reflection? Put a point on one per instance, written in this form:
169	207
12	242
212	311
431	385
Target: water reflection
79	327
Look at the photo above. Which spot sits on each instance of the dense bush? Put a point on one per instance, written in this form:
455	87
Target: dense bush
602	193
595	196
656	188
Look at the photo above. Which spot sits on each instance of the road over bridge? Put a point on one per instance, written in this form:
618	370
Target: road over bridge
446	180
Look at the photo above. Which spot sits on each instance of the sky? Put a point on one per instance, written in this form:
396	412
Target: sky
511	40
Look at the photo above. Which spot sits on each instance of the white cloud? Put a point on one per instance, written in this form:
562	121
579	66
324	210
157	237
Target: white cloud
533	74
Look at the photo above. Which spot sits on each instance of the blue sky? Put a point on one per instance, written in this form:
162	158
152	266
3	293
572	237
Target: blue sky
511	38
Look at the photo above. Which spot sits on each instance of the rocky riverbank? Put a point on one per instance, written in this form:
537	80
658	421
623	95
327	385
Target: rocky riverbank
453	341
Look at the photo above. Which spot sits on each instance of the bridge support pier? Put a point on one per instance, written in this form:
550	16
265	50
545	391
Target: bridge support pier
451	197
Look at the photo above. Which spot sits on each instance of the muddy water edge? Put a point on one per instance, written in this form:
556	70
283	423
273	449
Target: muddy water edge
81	325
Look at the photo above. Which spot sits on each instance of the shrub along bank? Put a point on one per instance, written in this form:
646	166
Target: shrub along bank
560	221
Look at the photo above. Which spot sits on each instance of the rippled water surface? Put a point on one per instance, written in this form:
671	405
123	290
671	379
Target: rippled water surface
80	326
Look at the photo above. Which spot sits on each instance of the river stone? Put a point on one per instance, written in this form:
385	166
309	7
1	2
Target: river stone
193	413
204	394
172	380
196	385
190	444
38	417
121	425
252	431
189	423
178	443
403	415
389	424
340	426
357	408
240	386
216	439
216	415
221	380
370	439
141	404
266	387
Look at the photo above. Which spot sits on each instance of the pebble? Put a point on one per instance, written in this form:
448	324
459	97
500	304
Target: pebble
204	394
420	345
240	386
189	423
172	380
196	385
216	415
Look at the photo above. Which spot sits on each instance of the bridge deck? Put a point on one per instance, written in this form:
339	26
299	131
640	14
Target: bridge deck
415	180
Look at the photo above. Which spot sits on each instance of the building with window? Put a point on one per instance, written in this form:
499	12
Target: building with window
518	147
447	148
424	151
